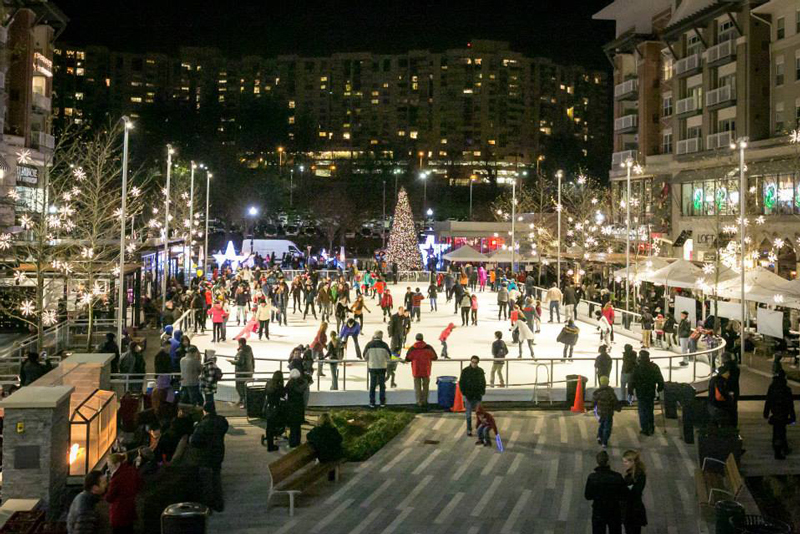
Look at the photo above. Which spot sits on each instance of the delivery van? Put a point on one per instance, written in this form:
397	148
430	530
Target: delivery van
266	247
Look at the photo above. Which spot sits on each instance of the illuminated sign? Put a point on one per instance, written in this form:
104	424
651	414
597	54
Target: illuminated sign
42	65
27	175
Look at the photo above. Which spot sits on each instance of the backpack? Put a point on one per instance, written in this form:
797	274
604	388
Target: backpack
216	374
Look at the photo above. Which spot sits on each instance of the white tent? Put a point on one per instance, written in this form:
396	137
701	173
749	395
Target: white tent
504	256
465	253
762	286
642	266
681	273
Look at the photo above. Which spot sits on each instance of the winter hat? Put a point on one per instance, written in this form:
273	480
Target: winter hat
603	381
419	337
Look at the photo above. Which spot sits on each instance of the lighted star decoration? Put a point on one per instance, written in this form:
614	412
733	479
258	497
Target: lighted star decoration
230	255
24	157
49	318
760	219
708	268
27	308
115	271
86	299
135	191
87	252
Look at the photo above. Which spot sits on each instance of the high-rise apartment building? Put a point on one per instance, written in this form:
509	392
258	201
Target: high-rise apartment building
483	106
690	78
27	32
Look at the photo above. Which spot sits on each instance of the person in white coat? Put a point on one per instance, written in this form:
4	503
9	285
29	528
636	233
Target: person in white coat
604	327
524	334
263	313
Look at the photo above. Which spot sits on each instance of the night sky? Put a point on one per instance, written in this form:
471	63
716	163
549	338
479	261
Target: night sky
560	29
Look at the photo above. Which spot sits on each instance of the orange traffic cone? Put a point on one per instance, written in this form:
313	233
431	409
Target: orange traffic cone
458	402
578	406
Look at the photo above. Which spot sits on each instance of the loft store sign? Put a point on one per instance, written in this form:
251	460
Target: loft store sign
27	175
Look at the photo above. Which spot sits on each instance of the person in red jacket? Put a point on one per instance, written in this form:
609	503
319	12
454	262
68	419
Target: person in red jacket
485	424
443	339
123	486
421	355
386	304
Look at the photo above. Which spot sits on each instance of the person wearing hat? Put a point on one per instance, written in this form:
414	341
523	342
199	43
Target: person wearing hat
605	404
421	355
721	402
647	327
684	331
295	405
779	412
208	439
377	354
646	380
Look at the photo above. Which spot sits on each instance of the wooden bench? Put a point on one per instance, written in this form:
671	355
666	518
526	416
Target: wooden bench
729	482
296	471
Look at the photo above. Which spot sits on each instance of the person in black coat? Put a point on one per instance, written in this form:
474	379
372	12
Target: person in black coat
646	380
473	387
628	367
779	411
32	369
209	439
274	409
634	514
326	440
110	347
603	363
295	405
606	489
721	401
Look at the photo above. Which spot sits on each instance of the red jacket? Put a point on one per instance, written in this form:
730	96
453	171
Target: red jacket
446	332
386	301
320	341
217	314
416	299
421	355
125	483
380	285
485	419
608	313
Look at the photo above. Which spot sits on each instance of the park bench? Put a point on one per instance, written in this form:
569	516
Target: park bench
296	471
727	482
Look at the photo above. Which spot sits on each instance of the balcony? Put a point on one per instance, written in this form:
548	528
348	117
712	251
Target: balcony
719	140
688	146
687	65
627	90
41	103
618	158
687	105
723	95
43	140
628	123
721	53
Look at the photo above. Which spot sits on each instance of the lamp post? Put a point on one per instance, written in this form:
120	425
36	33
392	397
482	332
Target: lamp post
291	187
421	154
253	211
513	224
165	266
280	159
741	144
188	259
121	283
383	222
471	180
559	175
629	166
205	234
423	176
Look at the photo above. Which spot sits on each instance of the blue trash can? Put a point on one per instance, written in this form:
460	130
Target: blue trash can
446	391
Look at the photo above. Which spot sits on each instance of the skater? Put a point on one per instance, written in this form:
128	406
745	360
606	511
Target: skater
432	294
334	355
263	313
499	351
553	298
502	302
570	303
398	328
605	404
358	310
318	346
604	328
684	332
474	309
386	304
466	306
443	339
569	337
608	313
351	329
218	318
416	302
779	412
310	298
523	335
485	424
647	327
473	387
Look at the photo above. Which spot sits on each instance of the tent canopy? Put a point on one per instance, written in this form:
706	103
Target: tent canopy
762	286
682	273
465	253
504	256
642	266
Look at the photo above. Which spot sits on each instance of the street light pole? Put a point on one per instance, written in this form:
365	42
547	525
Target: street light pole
291	187
741	144
628	166
383	222
559	175
471	179
513	224
121	283
165	265
424	177
205	234
188	259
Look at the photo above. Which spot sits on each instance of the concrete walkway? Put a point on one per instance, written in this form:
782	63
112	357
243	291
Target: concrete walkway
432	478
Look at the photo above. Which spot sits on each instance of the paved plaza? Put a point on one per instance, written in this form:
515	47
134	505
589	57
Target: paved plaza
432	478
463	343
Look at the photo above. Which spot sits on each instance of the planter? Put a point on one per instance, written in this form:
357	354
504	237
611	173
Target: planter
718	443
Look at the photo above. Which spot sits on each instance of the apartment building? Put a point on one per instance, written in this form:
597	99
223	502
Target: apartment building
27	32
483	106
691	77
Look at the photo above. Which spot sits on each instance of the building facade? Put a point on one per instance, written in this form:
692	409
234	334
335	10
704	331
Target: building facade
27	32
691	77
481	109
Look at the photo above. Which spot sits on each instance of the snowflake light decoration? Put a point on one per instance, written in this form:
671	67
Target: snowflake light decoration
24	157
86	299
79	174
49	317
135	191
13	195
708	268
26	222
19	277
87	252
777	298
5	241
27	308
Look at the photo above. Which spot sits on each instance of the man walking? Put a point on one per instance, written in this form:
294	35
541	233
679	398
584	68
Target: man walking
646	380
399	325
606	403
421	355
209	439
473	387
606	489
244	365
570	303
553	297
647	327
191	368
684	331
499	351
377	354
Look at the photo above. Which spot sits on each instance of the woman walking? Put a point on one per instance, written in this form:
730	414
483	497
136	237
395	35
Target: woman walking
466	306
358	310
318	346
634	515
334	355
523	335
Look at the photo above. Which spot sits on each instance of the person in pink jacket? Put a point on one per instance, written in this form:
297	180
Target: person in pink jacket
608	313
482	276
218	316
474	310
443	339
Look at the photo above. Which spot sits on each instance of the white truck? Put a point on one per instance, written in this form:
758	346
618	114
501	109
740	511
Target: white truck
266	247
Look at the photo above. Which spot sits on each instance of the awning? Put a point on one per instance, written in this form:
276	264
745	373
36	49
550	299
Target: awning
682	273
465	253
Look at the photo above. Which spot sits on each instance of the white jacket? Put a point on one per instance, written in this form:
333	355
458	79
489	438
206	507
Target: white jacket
603	326
525	333
263	313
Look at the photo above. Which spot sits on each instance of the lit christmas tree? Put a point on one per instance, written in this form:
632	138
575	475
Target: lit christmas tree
403	247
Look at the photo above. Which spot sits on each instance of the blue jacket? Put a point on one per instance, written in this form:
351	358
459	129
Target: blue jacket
174	343
354	330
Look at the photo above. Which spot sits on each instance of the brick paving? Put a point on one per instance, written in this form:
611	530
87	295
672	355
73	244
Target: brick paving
455	486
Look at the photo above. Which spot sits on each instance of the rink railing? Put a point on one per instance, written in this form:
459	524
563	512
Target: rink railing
359	368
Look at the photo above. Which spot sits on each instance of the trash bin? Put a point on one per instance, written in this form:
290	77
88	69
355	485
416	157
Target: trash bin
445	391
728	513
572	384
254	400
184	518
756	524
685	399
671	393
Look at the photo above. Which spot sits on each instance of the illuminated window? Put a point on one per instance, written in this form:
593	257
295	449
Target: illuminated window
443	153
444	141
323	78
256	90
491	141
401	133
78	96
386	86
570	90
478	61
291	104
414	86
68	112
413	134
376	93
291	119
151	61
477	153
136	99
346	135
80	55
222	98
373	141
79	71
136	84
323	134
571	112
108	82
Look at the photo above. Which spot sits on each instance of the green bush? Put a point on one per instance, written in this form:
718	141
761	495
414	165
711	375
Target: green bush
365	433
